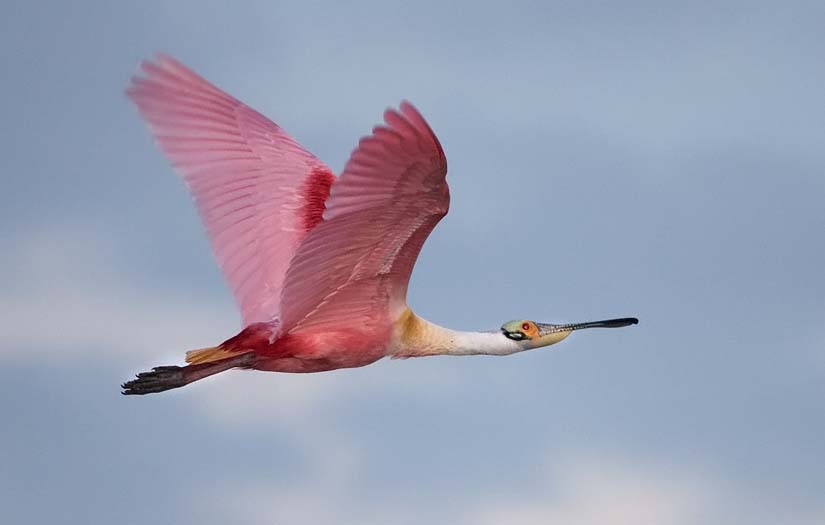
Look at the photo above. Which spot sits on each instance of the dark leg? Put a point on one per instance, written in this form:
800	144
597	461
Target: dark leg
163	378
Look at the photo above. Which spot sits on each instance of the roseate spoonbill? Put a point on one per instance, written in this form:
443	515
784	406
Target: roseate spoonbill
319	266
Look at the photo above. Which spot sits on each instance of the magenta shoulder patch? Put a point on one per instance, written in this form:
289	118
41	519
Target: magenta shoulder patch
315	192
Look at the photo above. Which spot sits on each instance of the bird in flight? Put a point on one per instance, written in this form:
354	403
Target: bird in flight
319	265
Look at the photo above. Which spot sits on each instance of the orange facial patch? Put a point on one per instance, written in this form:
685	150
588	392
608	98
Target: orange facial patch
530	329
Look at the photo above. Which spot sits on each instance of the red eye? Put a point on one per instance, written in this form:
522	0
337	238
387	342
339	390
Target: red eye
525	326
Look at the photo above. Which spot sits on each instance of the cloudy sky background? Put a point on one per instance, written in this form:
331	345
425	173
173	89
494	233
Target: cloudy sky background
663	160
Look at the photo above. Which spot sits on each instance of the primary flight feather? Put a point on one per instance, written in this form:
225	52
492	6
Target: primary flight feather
319	266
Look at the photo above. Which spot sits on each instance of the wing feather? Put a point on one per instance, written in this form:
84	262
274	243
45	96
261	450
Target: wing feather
354	267
257	190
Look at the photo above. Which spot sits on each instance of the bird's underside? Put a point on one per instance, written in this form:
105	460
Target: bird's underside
319	265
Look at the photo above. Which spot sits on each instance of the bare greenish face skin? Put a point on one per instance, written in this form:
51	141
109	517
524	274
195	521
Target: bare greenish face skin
517	330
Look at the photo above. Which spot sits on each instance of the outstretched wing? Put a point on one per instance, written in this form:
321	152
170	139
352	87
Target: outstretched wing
352	270
257	190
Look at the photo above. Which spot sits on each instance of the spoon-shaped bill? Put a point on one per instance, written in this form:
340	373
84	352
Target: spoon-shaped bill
606	323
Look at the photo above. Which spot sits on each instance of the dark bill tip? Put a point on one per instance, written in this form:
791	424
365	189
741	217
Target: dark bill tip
618	323
607	323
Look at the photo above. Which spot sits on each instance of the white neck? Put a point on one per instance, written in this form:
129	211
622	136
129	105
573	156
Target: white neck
419	337
482	343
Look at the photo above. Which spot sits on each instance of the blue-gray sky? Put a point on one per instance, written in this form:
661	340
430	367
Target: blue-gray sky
656	159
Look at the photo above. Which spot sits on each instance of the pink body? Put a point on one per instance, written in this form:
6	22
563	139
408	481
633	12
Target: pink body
310	352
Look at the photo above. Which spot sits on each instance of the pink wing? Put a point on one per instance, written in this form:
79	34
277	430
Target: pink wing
257	190
352	270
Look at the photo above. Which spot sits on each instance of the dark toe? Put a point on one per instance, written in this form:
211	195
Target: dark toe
159	379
